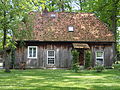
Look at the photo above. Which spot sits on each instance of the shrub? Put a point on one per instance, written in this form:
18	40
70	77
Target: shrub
87	59
76	67
108	67
98	67
75	64
116	66
81	67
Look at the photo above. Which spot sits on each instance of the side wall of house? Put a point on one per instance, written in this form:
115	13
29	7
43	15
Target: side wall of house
63	55
108	53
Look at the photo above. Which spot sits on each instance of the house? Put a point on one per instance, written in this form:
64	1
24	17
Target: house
56	34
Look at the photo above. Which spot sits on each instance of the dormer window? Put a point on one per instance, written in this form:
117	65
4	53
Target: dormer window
70	28
53	15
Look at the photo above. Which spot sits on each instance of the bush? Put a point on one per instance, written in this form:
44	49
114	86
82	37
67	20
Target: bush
87	59
116	66
108	67
75	64
99	67
76	67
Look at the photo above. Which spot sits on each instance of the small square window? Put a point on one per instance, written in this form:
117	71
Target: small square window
53	15
70	29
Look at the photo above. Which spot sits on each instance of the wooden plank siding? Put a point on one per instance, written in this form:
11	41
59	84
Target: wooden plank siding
108	53
63	54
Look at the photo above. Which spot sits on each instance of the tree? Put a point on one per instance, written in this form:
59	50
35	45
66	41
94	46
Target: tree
59	5
13	14
107	10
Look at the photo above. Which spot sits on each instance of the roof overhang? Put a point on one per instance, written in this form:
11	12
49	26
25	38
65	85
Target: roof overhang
81	45
69	41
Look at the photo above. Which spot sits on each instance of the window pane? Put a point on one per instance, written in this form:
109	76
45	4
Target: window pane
99	54
99	61
50	60
34	52
30	52
50	53
70	28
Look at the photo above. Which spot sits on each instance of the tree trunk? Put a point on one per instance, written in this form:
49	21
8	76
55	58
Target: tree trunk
80	2
7	59
114	21
62	5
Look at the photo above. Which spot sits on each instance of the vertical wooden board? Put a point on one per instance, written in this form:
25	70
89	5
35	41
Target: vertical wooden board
45	58
108	56
57	57
65	55
40	54
70	58
25	54
60	57
16	58
93	55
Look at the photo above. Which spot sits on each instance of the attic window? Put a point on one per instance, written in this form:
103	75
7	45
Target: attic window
70	29
53	15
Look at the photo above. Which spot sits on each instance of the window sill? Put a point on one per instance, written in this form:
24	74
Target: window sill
32	57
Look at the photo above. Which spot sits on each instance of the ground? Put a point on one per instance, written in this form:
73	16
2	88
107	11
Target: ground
38	79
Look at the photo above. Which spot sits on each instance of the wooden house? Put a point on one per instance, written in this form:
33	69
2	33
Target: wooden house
56	34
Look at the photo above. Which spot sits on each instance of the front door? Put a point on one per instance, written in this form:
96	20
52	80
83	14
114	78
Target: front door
81	56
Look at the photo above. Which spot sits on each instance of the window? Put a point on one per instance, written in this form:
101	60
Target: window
70	29
99	57
51	57
32	51
53	15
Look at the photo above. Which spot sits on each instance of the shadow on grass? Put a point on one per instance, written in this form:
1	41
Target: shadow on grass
60	80
112	87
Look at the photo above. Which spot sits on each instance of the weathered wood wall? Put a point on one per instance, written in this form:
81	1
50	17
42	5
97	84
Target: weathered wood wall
63	55
108	53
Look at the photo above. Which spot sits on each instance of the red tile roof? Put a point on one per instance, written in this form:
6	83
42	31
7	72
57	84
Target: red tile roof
87	27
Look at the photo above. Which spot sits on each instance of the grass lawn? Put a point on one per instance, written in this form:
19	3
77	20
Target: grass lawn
38	79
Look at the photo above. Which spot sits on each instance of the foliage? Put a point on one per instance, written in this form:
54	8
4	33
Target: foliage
13	14
76	67
116	66
75	64
106	10
99	68
87	59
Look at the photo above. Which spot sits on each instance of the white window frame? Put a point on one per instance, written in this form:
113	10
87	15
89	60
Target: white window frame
53	15
70	28
99	57
50	57
32	52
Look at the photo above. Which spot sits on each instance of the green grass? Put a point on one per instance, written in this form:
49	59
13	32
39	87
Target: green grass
38	79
